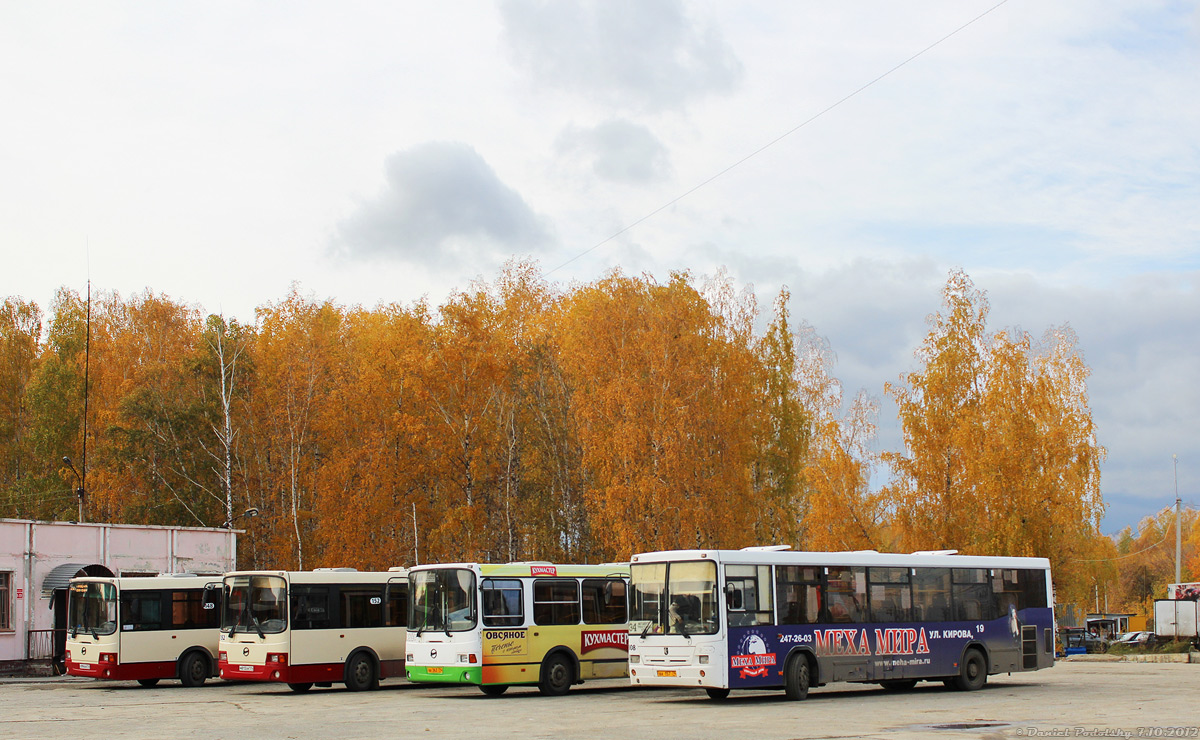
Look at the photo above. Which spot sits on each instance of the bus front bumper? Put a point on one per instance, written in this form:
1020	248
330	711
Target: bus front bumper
445	674
680	675
121	671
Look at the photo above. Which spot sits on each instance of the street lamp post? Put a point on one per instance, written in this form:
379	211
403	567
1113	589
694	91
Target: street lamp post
1178	531
79	492
248	513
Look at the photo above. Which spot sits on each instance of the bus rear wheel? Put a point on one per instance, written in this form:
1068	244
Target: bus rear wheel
972	674
493	689
193	669
148	682
299	688
796	678
360	673
557	676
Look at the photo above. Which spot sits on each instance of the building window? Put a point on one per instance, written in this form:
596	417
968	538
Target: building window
6	602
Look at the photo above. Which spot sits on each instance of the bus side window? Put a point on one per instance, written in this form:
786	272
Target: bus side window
973	597
396	604
1032	585
310	607
555	601
503	602
931	594
361	607
187	610
604	601
141	610
748	595
890	595
846	594
798	589
210	604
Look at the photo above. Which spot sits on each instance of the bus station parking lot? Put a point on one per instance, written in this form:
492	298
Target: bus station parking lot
1073	699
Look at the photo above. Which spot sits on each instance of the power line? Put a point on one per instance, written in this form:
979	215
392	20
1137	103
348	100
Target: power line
770	143
1122	557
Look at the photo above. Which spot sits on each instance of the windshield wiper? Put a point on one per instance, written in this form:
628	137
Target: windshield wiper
649	623
257	628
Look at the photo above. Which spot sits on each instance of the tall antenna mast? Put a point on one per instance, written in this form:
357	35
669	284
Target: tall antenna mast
87	348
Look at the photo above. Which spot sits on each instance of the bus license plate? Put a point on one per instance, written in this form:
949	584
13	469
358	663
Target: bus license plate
666	674
85	666
245	668
434	669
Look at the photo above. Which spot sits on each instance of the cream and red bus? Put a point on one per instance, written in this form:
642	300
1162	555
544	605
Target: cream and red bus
502	625
314	627
144	629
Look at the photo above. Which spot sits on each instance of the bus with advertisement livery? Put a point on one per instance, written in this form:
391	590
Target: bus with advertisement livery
770	618
534	624
320	627
144	629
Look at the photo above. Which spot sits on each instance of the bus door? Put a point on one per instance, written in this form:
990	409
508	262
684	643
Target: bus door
846	640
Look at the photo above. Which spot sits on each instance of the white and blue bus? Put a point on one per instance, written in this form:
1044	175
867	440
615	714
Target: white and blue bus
769	618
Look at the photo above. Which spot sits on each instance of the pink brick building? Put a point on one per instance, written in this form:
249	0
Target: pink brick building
38	558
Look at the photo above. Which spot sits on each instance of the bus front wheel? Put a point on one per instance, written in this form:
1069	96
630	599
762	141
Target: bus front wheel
193	669
493	689
299	688
717	694
796	678
557	676
972	674
148	682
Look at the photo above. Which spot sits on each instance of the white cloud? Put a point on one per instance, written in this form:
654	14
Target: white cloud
646	54
617	150
441	203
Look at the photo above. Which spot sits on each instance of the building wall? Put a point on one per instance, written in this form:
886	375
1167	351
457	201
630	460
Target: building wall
29	551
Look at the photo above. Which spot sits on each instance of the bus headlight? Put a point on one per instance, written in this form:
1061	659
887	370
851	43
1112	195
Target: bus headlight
280	658
703	660
635	658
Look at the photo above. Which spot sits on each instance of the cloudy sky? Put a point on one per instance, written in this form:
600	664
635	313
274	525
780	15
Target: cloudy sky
379	152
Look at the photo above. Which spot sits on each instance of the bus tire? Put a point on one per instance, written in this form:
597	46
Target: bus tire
193	669
899	684
972	672
493	689
360	672
299	688
717	694
796	677
558	674
148	682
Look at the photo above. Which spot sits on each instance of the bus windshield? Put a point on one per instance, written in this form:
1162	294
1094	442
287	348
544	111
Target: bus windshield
93	609
255	604
442	600
674	598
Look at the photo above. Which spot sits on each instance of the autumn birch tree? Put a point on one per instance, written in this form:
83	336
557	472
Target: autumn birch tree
1001	452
